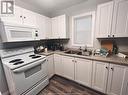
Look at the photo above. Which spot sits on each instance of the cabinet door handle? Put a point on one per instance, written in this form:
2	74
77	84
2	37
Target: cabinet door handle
36	34
112	69
72	60
112	35
108	35
20	16
24	17
106	67
75	61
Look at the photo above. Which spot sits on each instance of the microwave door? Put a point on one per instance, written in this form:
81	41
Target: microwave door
20	34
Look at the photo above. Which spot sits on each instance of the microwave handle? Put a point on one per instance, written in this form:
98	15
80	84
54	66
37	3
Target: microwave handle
31	65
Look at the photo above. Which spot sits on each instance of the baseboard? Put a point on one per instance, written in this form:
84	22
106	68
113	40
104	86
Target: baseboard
5	93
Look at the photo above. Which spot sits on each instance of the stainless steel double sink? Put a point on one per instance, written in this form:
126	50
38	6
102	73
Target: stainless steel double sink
84	53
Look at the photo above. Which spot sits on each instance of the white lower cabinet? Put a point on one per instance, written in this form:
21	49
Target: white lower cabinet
64	66
83	71
50	62
100	76
117	80
110	78
68	67
59	68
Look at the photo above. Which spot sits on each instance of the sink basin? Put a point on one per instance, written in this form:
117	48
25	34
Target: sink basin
71	52
78	52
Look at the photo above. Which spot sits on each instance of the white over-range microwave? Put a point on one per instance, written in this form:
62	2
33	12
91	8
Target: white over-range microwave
11	33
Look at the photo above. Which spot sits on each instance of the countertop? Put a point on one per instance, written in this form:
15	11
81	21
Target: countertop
111	59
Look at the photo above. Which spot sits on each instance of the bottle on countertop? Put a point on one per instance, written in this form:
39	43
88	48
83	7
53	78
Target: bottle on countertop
61	47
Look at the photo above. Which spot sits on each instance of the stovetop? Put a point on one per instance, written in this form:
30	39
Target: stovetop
20	60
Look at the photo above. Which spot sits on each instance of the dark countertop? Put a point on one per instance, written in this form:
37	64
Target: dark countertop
111	59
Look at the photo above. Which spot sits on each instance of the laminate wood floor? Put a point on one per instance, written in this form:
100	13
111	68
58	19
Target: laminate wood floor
62	86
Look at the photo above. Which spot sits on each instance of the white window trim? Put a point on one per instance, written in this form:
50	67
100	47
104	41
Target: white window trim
93	27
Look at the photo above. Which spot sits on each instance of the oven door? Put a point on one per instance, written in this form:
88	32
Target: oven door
27	76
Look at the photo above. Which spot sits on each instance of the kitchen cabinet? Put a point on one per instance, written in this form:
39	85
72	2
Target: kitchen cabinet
50	62
55	25
100	76
120	19
83	71
40	20
104	19
105	77
60	27
48	27
110	78
43	26
112	19
69	67
63	26
59	68
117	80
29	18
21	17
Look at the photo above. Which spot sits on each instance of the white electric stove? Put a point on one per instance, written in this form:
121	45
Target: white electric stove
25	71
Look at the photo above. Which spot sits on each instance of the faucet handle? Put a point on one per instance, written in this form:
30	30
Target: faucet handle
80	48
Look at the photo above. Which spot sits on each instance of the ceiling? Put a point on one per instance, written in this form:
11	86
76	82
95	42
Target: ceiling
53	8
50	6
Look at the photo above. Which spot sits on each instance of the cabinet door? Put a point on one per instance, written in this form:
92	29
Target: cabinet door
83	71
68	66
59	68
100	75
29	18
62	26
55	33
104	19
116	80
40	20
50	66
120	19
48	27
14	19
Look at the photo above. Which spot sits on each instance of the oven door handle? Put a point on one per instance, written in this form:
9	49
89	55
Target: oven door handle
29	66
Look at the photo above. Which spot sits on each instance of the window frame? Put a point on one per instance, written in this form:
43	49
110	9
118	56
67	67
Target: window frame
93	27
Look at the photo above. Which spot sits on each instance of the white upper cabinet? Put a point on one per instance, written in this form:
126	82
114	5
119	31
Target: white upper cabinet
120	19
29	18
100	75
21	17
117	80
104	20
55	31
43	26
40	20
13	19
60	27
63	26
112	19
48	27
83	71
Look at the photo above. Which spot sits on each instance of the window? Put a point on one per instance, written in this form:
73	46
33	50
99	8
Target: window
83	27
